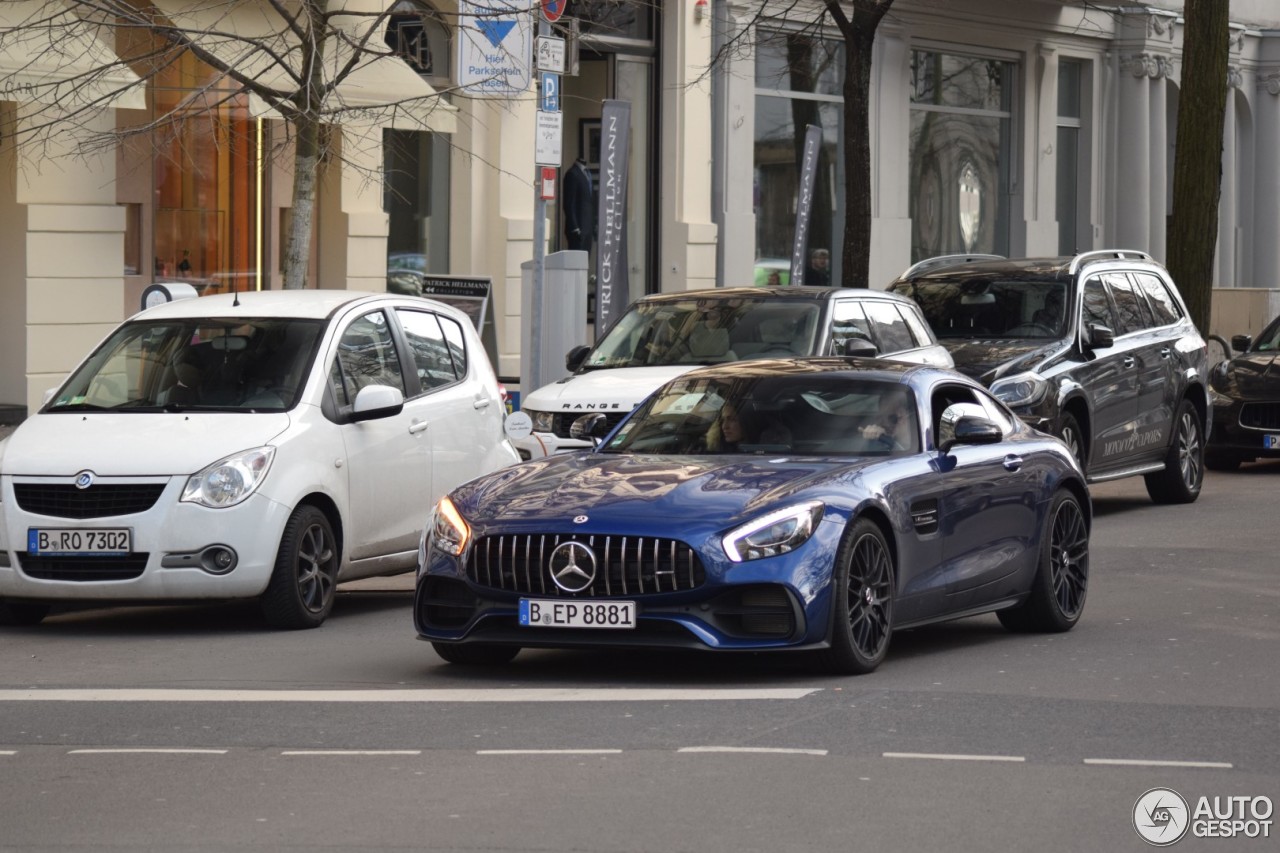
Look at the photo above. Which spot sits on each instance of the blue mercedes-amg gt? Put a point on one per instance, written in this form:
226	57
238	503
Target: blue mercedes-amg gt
814	504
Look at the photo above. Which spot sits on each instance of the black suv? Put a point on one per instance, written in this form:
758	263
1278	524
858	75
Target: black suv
1097	349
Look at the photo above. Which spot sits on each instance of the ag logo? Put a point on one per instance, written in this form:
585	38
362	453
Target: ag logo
1161	816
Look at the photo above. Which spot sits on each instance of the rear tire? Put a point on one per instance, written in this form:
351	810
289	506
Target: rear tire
1061	583
862	598
16	614
304	581
1221	460
1183	474
1069	432
476	654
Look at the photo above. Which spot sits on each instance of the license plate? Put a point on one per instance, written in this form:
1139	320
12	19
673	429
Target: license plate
60	541
1271	442
549	613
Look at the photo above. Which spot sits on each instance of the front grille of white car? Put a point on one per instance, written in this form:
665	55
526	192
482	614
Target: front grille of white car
100	500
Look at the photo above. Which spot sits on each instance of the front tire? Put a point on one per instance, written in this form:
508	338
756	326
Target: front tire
1073	438
1061	583
863	602
21	614
304	581
1183	474
476	654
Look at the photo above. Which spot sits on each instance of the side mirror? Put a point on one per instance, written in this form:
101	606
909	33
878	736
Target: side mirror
593	427
966	423
376	401
1100	337
860	347
575	357
1241	343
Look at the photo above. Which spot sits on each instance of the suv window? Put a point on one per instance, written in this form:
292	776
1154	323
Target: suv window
366	356
427	345
1097	306
889	327
996	308
1131	306
1163	305
919	329
848	321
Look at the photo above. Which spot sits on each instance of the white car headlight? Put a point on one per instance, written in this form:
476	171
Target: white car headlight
776	533
449	531
542	421
229	481
1024	389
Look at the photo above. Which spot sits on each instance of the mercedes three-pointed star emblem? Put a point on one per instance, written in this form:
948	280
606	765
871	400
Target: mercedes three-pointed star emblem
573	566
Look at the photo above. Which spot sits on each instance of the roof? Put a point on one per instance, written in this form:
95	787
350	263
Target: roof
317	304
868	368
949	267
785	293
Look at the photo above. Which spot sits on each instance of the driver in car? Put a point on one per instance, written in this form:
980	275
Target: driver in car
894	426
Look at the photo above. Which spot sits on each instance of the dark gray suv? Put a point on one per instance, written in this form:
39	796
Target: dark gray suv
1097	349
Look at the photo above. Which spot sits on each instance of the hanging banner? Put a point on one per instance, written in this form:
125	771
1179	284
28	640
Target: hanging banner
804	202
612	288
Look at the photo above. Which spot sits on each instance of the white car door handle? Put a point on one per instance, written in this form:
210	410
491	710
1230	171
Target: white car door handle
481	404
417	427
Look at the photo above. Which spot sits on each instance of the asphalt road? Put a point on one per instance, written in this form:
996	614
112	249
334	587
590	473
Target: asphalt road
193	728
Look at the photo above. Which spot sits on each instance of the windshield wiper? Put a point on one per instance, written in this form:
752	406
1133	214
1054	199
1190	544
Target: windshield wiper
80	407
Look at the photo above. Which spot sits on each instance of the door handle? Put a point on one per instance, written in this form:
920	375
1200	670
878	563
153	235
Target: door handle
1012	462
480	404
1129	361
418	426
1164	353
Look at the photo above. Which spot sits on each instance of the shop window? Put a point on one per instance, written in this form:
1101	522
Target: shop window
132	239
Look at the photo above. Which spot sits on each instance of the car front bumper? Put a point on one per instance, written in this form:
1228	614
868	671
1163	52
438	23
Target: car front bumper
1229	436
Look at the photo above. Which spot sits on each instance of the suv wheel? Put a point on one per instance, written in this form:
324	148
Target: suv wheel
1069	432
1183	474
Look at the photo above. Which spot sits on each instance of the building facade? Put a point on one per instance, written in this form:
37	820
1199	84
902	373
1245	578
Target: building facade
1020	128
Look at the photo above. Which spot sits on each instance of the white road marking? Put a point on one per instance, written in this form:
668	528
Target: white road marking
533	694
146	751
8	752
947	757
351	752
768	750
1142	762
548	752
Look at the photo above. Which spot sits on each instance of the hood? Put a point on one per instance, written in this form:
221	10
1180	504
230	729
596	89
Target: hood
625	493
134	445
1252	376
988	359
618	389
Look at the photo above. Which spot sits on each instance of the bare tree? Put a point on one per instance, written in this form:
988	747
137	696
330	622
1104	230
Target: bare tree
1197	167
294	61
806	25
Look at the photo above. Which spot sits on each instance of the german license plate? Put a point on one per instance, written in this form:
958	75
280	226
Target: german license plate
79	541
549	613
1271	442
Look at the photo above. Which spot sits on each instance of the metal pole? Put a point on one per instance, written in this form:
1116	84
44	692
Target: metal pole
539	256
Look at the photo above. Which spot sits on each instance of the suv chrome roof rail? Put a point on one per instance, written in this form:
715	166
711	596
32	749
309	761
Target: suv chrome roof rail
947	261
1106	255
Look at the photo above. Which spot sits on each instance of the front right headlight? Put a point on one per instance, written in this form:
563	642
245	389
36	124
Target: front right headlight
776	533
1024	389
542	421
449	530
229	481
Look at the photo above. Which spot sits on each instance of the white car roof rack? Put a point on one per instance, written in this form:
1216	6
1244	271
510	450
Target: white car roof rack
1106	255
947	261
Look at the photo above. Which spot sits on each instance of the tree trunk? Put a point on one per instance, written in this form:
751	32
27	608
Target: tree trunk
855	264
1197	166
306	163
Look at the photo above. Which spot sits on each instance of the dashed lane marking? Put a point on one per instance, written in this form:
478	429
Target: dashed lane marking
941	756
1142	762
548	752
533	694
146	751
351	752
765	750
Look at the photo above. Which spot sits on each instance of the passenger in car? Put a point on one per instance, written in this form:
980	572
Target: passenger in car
733	431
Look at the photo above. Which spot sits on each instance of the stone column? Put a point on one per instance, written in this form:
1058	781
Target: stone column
1133	167
1162	140
364	266
1040	202
1225	260
890	156
1266	248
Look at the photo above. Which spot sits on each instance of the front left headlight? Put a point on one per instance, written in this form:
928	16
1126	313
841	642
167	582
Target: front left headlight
1024	389
776	533
449	530
542	421
229	481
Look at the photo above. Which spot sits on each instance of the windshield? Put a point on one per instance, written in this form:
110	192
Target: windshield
979	308
818	414
1269	340
214	364
707	331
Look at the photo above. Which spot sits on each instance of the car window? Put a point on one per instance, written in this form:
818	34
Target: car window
889	327
1163	305
979	307
919	330
366	356
943	397
996	411
1097	306
848	321
1132	311
457	345
428	347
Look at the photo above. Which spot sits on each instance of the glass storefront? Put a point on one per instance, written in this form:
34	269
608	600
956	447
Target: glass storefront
799	79
961	154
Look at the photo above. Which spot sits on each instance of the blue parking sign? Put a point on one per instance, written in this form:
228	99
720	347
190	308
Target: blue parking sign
550	93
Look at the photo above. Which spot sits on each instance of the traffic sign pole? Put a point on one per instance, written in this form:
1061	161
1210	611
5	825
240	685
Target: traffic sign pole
539	249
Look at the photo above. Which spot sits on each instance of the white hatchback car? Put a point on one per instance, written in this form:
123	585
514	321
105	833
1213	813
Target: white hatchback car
261	445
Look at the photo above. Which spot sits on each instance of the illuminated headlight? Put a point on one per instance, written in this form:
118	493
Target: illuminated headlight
542	421
776	533
1024	389
229	481
449	532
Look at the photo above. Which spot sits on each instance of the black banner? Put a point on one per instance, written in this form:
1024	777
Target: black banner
804	201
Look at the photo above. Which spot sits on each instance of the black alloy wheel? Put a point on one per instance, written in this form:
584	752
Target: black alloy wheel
304	581
476	654
1061	583
1071	436
863	602
1183	474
